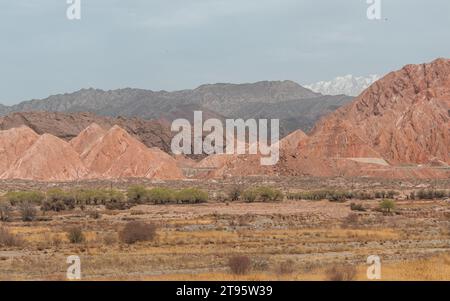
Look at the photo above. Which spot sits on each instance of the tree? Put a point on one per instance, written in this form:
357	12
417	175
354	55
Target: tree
387	205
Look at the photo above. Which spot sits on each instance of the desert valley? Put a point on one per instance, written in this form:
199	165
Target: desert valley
92	174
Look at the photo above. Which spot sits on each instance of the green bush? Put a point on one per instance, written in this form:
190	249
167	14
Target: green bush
429	194
387	205
191	196
161	195
137	194
267	194
250	195
263	194
339	196
17	197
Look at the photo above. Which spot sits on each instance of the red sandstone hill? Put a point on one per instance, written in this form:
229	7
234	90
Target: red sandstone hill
48	159
13	143
93	154
399	127
68	125
87	138
117	154
403	118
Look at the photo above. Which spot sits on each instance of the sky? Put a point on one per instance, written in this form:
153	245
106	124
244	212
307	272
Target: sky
181	44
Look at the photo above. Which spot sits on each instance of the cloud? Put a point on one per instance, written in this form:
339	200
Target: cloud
201	12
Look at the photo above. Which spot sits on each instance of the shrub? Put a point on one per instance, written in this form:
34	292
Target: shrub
351	220
431	194
387	205
19	197
114	200
341	273
137	231
267	194
161	195
91	197
260	264
250	195
235	194
53	206
116	206
60	200
9	239
357	207
137	194
75	235
5	212
95	214
109	238
263	194
240	265
27	211
286	267
191	195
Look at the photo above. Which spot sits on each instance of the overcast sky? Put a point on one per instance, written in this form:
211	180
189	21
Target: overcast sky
179	44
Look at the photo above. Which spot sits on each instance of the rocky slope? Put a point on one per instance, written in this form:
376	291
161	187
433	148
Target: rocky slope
94	154
403	118
13	144
48	159
398	127
295	105
68	125
118	155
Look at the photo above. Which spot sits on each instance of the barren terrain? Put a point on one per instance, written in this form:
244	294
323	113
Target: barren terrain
287	240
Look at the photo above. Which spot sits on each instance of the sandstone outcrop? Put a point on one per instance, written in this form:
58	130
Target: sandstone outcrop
48	159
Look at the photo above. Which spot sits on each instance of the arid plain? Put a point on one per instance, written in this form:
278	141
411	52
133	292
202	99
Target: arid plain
287	239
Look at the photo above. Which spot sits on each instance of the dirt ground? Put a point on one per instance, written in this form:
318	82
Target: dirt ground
288	240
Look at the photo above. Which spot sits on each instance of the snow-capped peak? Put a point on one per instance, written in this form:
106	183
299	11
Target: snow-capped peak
347	84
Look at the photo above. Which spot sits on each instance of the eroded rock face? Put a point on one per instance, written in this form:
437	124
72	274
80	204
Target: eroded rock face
118	155
87	138
13	143
403	118
93	154
48	159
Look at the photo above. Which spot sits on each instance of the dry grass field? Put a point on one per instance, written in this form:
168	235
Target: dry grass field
287	240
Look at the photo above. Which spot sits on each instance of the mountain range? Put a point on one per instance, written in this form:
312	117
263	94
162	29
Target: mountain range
347	84
295	106
399	127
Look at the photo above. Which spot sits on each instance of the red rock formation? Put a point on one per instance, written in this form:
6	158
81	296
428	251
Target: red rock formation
87	138
403	118
118	155
48	159
13	143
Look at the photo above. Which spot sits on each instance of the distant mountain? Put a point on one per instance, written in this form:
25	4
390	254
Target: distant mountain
348	85
295	106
